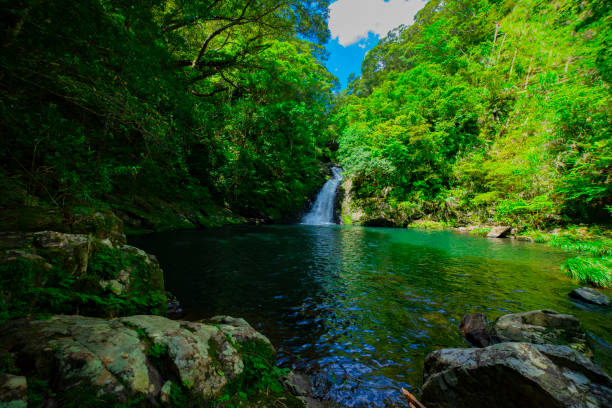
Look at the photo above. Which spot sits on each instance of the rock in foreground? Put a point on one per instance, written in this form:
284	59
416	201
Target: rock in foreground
590	295
511	375
147	357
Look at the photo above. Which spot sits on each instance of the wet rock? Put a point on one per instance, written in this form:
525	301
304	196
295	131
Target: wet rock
174	305
13	391
542	327
297	384
137	355
590	295
350	212
523	238
475	329
510	375
499	232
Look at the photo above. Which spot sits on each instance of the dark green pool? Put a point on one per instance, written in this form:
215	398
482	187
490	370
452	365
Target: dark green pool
359	308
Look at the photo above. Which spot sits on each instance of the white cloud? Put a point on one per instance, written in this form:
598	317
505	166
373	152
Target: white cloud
352	20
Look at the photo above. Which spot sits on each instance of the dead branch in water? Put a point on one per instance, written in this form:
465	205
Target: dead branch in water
412	399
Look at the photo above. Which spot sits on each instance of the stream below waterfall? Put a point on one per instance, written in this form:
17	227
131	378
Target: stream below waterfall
358	309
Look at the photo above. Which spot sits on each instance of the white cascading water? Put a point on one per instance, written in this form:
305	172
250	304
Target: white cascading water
322	212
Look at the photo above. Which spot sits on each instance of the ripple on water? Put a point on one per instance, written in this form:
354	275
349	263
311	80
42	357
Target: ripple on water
358	309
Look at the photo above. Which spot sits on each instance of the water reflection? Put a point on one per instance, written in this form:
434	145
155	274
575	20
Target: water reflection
359	308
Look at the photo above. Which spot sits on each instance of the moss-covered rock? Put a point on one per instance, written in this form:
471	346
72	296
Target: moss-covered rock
149	359
54	272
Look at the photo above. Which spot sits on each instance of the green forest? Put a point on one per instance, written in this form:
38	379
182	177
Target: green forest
492	112
485	110
201	106
478	110
129	117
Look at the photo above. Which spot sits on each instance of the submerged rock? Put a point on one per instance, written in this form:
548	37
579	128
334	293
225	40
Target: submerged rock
125	358
510	375
542	327
499	232
475	329
590	295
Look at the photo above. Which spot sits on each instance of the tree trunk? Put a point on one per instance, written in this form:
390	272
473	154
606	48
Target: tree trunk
513	58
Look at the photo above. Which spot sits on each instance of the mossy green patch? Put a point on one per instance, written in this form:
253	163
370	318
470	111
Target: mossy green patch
259	383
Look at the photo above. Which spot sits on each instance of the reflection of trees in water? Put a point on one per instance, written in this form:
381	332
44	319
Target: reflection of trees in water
360	308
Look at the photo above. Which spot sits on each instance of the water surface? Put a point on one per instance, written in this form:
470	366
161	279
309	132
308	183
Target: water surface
359	308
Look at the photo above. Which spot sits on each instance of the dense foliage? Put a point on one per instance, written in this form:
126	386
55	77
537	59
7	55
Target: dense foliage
221	104
485	111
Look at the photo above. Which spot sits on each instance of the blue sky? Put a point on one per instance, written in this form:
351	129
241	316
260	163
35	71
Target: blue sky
356	27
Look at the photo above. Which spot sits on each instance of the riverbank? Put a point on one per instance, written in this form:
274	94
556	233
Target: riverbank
592	243
95	307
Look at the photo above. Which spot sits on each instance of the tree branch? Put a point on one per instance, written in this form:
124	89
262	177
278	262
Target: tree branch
237	21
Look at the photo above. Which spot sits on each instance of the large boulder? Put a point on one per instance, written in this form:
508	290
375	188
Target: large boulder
590	295
133	357
57	272
542	327
510	375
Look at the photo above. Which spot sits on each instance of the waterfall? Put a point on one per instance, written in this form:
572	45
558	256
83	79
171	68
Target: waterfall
322	211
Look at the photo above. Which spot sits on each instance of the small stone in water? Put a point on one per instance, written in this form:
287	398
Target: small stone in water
590	295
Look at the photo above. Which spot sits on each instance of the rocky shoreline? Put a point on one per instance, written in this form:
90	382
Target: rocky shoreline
534	359
109	344
145	358
85	326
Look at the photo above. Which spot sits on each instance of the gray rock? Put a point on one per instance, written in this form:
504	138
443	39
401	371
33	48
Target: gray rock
590	295
499	232
475	329
542	327
510	375
297	384
523	238
72	250
114	355
13	391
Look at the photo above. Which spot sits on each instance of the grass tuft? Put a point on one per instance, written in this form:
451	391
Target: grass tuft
594	271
